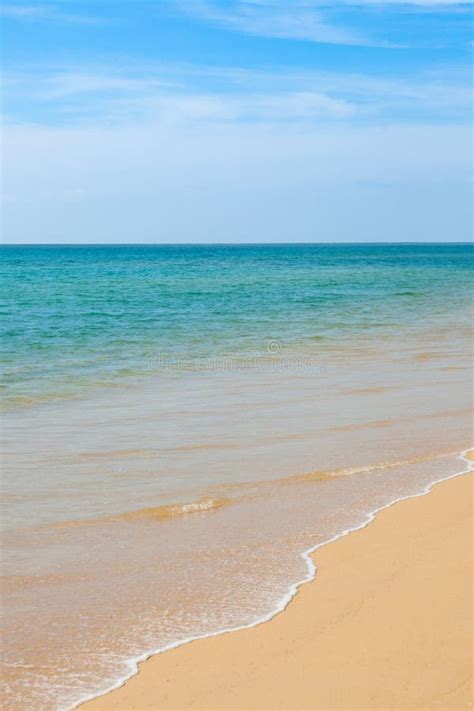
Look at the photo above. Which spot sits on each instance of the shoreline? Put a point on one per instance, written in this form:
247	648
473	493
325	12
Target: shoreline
114	696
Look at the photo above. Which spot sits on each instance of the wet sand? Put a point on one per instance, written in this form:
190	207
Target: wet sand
387	624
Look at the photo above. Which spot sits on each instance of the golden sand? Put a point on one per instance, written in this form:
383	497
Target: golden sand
386	625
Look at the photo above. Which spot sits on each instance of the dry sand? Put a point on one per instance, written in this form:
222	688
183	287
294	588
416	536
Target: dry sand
386	625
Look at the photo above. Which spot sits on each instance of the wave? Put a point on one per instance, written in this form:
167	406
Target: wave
167	511
152	513
321	475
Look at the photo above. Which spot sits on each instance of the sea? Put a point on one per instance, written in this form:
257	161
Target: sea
183	424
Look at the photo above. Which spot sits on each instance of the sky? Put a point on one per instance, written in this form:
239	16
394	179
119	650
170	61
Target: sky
163	121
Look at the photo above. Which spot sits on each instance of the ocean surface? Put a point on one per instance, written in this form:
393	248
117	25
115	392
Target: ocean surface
181	423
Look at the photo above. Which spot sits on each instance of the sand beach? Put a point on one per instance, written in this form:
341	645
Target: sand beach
386	624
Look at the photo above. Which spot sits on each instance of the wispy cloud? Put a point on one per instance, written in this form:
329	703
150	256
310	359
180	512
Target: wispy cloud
269	108
193	94
274	19
44	13
171	96
21	12
308	20
436	4
64	84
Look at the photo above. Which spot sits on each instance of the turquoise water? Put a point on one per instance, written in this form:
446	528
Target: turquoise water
75	317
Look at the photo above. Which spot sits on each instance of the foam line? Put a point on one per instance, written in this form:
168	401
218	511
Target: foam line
134	663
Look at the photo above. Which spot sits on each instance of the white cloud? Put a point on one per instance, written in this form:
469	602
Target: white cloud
435	4
45	13
280	20
300	19
167	94
63	84
291	106
21	12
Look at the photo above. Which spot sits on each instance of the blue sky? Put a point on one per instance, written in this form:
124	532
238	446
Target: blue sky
236	120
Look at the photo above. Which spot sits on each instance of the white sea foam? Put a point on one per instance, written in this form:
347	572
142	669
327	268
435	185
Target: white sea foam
133	663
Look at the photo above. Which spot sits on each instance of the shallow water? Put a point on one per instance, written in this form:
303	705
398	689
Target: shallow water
182	423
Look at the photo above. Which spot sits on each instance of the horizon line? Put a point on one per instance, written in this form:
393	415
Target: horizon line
228	244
